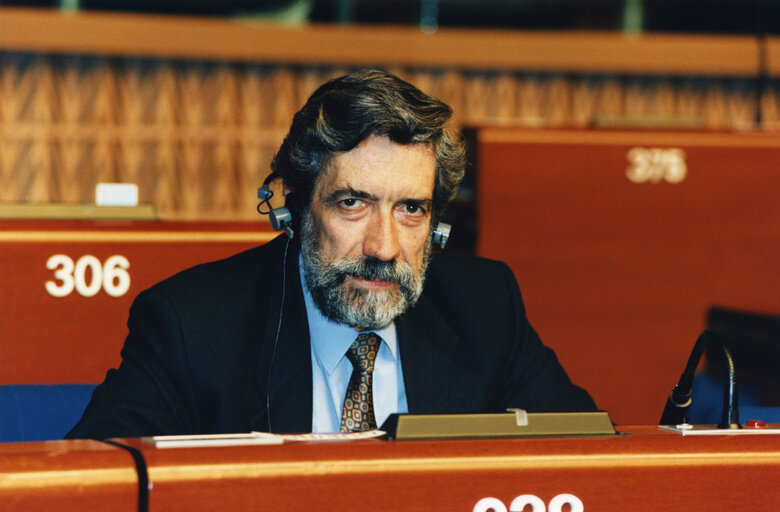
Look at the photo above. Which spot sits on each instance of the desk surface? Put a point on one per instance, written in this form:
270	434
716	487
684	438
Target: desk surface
67	475
645	469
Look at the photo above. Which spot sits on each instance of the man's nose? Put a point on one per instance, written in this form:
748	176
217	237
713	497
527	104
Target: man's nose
381	237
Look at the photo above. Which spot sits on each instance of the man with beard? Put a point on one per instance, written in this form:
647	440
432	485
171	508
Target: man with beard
348	318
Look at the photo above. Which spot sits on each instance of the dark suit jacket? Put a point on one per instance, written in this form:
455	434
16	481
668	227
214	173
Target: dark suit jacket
224	347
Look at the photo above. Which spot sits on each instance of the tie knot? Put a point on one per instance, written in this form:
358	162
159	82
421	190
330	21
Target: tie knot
362	352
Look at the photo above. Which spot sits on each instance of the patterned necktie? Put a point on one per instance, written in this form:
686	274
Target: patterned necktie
358	413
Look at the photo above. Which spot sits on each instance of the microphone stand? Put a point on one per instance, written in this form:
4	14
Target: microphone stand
729	417
680	399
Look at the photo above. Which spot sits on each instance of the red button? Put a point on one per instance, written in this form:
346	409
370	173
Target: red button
755	424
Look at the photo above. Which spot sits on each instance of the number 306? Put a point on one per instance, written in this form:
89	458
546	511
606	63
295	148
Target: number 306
88	276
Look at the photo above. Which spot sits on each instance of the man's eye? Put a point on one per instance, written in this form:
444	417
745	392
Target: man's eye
349	203
414	209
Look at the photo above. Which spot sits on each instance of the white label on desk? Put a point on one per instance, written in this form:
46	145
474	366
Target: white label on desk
712	430
654	165
210	440
116	194
536	503
88	276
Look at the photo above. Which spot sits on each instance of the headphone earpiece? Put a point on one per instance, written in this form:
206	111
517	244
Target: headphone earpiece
441	233
280	218
264	193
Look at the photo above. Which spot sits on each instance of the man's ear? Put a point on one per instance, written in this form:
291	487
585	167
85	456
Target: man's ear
286	190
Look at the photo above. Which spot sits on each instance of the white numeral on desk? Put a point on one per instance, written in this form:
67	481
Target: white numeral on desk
116	279
537	505
656	164
557	503
88	276
518	504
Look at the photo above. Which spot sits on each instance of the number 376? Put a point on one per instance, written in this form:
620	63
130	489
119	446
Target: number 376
88	276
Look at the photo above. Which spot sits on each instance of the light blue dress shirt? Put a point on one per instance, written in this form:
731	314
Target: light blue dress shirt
331	369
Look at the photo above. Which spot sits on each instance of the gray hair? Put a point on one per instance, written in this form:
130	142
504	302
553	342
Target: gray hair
341	113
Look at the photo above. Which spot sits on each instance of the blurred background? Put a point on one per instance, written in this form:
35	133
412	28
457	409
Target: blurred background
702	16
126	90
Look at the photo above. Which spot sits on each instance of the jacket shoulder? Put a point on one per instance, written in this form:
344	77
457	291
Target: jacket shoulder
238	272
464	272
461	287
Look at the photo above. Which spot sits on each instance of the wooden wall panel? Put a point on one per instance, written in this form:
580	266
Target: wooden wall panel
198	137
192	109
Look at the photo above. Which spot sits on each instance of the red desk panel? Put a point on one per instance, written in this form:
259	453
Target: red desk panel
646	470
67	476
76	334
621	241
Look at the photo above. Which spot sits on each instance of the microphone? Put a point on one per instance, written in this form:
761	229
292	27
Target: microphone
680	400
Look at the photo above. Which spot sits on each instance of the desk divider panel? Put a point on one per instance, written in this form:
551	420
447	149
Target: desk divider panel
66	287
621	241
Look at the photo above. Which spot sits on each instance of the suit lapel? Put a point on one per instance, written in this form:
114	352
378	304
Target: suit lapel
436	372
284	371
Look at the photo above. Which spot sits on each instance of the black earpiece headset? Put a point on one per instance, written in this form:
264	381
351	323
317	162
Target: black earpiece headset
281	218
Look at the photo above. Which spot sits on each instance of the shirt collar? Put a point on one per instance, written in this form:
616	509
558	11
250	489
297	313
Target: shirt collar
330	340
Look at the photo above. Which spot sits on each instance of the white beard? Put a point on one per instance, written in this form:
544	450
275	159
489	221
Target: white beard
342	301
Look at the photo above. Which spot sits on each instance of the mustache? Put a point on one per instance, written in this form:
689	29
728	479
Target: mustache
374	269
